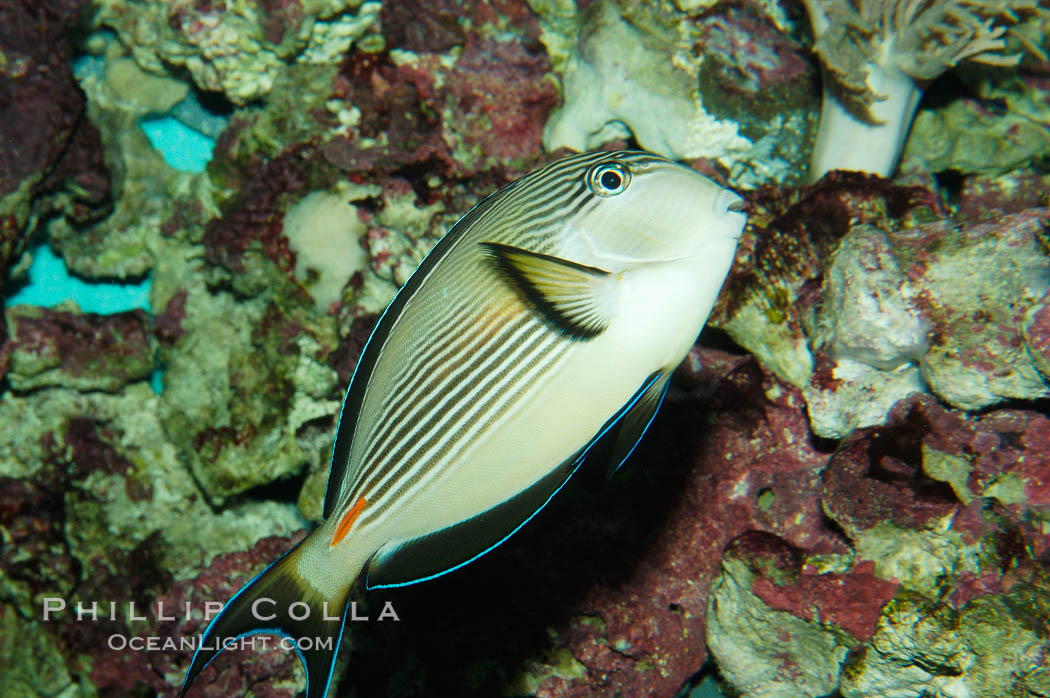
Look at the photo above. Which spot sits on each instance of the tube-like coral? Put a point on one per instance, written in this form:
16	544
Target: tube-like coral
878	56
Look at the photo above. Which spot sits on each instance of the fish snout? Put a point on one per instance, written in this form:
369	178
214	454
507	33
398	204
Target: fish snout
740	206
731	210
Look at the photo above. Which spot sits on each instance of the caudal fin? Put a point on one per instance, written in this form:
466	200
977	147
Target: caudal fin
281	602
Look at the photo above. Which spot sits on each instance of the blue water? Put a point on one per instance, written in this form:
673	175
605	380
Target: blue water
50	283
185	138
707	688
183	148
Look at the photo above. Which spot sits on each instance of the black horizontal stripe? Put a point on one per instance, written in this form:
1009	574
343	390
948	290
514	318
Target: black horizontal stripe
416	457
454	331
346	430
426	419
404	422
496	406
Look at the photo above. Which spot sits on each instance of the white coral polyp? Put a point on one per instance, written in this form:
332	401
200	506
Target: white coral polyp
878	56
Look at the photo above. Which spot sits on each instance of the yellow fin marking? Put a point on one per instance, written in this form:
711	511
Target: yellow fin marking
348	520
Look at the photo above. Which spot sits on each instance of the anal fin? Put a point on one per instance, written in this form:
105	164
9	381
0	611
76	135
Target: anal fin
450	548
453	547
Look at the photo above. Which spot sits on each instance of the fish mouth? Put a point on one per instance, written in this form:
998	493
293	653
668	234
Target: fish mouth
729	203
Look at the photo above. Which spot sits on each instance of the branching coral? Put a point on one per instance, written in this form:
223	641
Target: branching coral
878	56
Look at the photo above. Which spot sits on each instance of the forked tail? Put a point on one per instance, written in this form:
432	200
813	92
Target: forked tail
281	602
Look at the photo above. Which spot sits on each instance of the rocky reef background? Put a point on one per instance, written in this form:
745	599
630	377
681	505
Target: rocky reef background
847	491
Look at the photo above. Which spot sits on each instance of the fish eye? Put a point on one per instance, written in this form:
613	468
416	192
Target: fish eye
608	179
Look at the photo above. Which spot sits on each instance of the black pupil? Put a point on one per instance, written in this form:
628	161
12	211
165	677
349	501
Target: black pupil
611	179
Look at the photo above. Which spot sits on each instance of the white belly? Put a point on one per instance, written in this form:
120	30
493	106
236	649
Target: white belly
659	314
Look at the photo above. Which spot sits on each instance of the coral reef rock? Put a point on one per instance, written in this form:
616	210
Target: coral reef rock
54	165
162	457
977	283
729	87
992	646
239	47
816	617
605	591
253	403
871	304
945	588
96	507
84	351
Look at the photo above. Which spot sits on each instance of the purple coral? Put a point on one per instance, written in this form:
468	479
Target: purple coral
84	350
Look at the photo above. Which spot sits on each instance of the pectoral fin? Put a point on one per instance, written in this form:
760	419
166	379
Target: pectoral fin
574	298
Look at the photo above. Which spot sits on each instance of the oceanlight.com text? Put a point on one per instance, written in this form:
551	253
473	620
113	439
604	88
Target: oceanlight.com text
154	643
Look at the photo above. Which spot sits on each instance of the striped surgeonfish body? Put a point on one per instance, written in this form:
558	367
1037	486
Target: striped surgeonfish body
549	317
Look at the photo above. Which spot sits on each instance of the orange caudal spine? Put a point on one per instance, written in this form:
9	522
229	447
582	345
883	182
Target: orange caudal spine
348	520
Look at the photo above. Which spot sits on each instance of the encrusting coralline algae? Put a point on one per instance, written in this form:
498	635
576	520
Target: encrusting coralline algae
847	487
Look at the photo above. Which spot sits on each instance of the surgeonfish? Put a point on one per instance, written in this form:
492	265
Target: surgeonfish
548	318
